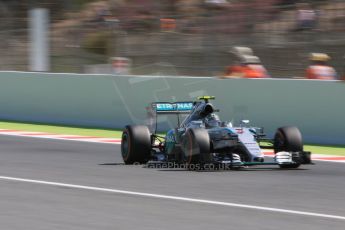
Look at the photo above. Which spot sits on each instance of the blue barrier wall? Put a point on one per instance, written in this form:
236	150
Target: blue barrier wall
316	107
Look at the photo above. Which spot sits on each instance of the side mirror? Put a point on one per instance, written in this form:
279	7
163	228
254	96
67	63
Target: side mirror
245	122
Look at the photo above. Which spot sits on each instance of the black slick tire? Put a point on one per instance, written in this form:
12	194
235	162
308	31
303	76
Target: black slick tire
288	139
196	147
136	144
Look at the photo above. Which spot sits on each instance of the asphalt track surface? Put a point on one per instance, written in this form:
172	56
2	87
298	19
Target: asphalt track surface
36	205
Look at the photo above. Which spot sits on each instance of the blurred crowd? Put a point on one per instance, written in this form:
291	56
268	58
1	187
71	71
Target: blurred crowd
179	37
224	16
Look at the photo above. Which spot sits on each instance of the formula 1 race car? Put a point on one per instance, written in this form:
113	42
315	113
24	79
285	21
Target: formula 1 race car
202	140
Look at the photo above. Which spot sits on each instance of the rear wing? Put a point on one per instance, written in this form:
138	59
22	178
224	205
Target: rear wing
172	107
167	108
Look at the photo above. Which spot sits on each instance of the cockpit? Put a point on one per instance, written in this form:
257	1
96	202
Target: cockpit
212	121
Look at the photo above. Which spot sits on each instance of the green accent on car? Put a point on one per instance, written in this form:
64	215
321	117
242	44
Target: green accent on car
170	142
206	98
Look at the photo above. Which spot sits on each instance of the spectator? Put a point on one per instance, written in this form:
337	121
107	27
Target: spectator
216	4
319	69
306	17
168	24
249	65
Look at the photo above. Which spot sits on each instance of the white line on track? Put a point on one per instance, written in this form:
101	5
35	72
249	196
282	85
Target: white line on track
176	198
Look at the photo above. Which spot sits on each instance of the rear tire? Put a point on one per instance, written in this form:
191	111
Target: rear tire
136	144
288	139
196	147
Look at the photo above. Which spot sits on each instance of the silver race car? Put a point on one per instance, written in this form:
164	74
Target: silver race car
202	141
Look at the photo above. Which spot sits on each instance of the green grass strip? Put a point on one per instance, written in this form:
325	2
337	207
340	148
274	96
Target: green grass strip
320	149
315	149
326	150
61	129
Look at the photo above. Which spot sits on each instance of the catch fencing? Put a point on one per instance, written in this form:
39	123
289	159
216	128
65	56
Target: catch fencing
197	45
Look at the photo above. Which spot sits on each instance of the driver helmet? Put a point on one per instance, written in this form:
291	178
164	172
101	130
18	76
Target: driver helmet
212	120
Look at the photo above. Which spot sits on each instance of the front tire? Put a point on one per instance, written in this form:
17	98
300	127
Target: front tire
136	144
288	139
196	147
